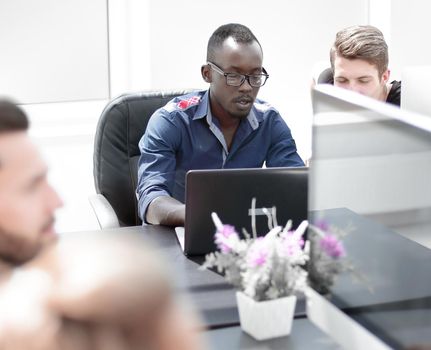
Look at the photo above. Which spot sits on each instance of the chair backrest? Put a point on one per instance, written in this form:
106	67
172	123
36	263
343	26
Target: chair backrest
116	151
326	77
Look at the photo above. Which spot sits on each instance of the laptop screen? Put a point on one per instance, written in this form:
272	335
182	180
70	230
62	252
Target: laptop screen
370	171
229	193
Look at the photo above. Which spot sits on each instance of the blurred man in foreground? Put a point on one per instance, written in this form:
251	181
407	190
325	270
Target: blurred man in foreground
103	291
27	201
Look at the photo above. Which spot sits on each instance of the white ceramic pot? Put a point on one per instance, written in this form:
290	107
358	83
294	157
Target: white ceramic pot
266	319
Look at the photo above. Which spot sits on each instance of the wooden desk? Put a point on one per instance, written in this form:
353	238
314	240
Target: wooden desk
397	311
210	294
394	301
304	336
215	299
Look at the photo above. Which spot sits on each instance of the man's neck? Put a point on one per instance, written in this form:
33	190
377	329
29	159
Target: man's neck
225	120
228	124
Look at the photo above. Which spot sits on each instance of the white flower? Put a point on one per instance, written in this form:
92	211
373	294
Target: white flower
263	267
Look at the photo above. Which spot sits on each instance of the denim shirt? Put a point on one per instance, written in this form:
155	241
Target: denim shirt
183	135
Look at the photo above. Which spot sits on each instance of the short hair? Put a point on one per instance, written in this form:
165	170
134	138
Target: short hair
240	33
363	42
12	117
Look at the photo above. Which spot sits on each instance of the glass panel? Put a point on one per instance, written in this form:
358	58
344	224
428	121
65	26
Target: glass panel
370	172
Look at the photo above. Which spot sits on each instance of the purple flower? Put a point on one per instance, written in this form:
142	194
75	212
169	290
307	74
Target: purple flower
258	253
292	244
332	246
225	238
322	224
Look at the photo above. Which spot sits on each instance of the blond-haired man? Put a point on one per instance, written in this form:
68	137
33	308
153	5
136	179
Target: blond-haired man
359	62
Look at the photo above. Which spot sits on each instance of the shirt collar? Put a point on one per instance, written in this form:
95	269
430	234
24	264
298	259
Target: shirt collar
202	109
253	118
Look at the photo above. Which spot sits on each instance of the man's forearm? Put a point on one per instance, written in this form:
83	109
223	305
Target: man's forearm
165	210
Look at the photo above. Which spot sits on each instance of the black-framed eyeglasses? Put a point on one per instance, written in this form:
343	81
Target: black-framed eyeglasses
236	79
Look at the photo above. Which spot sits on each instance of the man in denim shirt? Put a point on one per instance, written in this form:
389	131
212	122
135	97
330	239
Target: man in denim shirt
223	127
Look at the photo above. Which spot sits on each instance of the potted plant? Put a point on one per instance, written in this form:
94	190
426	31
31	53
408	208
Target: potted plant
267	272
327	255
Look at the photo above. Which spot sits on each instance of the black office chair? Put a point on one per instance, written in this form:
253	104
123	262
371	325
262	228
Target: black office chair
116	154
326	77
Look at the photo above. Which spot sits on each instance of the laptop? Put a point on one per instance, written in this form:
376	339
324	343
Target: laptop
229	193
415	89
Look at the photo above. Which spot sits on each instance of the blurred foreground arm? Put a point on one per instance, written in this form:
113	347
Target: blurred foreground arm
95	293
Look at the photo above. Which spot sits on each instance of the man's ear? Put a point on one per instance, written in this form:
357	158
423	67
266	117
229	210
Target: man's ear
386	75
206	73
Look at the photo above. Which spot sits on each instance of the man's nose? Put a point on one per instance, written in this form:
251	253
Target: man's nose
350	86
54	199
246	85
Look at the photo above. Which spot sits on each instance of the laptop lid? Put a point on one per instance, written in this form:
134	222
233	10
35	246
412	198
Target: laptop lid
229	193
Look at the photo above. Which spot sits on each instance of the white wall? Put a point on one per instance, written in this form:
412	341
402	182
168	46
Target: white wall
153	45
64	133
53	50
410	31
294	36
129	46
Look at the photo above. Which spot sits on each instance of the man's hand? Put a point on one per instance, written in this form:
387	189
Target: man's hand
165	210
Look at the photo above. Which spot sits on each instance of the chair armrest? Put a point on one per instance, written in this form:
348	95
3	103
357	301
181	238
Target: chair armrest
105	214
